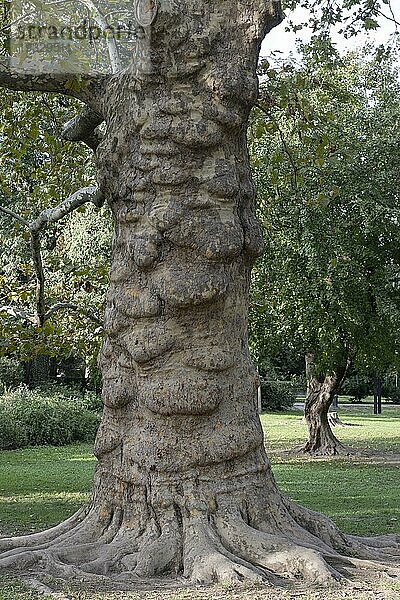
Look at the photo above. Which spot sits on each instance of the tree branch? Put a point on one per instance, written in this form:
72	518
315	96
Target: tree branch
69	306
272	14
82	128
51	215
392	18
18	313
285	146
63	83
36	249
15	216
101	21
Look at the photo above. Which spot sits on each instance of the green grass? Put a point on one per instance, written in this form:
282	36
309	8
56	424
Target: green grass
41	486
366	431
362	499
13	589
361	496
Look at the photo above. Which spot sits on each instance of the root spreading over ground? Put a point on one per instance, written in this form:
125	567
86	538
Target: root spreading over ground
244	534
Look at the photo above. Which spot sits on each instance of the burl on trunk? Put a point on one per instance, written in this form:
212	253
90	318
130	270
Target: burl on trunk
183	484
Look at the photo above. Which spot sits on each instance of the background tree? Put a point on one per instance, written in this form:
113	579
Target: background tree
351	16
52	297
325	148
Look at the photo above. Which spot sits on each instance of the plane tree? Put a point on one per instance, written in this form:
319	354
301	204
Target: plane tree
325	148
182	482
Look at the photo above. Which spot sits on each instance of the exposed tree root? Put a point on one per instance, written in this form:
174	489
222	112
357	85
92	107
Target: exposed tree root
43	536
43	589
208	561
270	540
330	446
275	553
334	420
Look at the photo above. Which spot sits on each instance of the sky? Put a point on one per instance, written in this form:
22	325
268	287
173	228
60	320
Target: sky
279	39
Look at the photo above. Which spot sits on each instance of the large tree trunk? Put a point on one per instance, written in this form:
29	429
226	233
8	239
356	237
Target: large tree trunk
321	390
183	484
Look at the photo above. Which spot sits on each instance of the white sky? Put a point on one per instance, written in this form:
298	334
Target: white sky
279	39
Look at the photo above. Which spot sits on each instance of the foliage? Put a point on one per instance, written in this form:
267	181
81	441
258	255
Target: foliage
276	396
38	170
391	392
325	145
11	373
349	16
53	416
358	387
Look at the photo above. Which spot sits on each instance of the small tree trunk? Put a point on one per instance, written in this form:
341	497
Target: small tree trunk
321	390
377	395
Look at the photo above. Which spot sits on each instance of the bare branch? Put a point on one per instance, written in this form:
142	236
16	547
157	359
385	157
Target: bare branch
15	216
59	306
285	146
82	128
51	215
101	21
393	15
392	18
36	248
46	82
90	314
29	83
18	313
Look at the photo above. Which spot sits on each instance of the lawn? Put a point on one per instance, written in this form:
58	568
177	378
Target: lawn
41	486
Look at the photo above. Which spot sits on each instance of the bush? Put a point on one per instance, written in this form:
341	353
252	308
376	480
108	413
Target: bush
276	396
11	373
391	392
357	387
93	401
54	417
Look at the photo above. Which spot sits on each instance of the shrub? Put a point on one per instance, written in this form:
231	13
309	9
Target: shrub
51	417
391	392
357	387
11	373
93	401
276	396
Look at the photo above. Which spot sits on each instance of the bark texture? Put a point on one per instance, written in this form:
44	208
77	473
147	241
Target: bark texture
183	484
321	390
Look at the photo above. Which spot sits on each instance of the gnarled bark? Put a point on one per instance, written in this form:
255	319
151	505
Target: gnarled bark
321	390
183	484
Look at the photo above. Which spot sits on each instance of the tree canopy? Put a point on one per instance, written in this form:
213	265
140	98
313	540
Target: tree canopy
325	150
38	170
